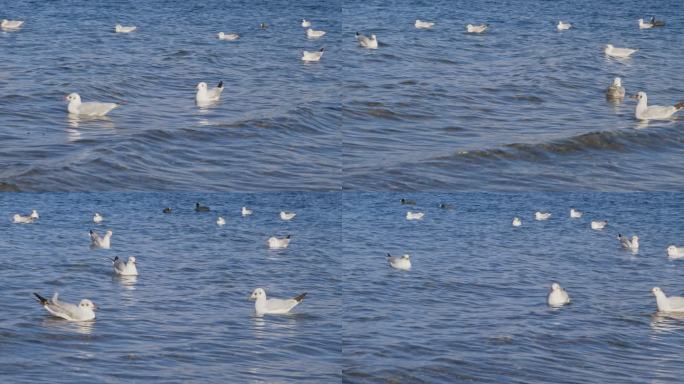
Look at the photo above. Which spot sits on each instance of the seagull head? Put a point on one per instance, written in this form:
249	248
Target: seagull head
671	249
73	97
469	26
257	294
609	46
406	257
656	290
87	304
221	34
201	86
131	259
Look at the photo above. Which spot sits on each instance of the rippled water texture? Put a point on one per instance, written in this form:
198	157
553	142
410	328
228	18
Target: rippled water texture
473	308
520	107
275	128
187	317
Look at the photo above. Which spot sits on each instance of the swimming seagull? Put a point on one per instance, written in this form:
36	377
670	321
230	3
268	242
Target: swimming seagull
622	53
540	216
563	26
279	242
312	56
403	262
92	108
206	96
643	25
97	218
121	29
367	42
11	24
516	222
125	269
476	28
598	225
201	208
265	306
228	36
575	214
19	219
616	91
84	311
557	296
246	212
423	24
626	243
653	112
414	215
668	304
313	34
675	252
220	221
287	215
306	23
97	241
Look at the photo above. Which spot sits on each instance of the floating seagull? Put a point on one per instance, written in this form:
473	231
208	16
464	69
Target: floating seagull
675	252
598	224
279	242
414	215
265	306
201	208
84	311
476	28
618	52
407	202
616	91
97	241
657	23
312	56
220	221
287	215
575	214
228	36
367	42
125	269
557	296
76	107
516	222
563	26
19	219
668	304
313	34
403	262
643	25
653	112
540	216
246	212
206	96
423	24
11	24
167	210
306	23
121	29
97	218
626	243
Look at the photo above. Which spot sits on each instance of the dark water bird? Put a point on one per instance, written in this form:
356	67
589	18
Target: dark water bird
657	23
167	210
263	26
446	206
407	202
201	208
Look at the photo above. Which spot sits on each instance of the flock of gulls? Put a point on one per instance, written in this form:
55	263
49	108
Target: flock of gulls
557	296
85	309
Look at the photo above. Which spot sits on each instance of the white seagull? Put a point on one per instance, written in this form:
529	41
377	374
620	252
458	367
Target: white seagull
668	304
97	241
598	225
84	311
246	212
220	221
287	215
228	36
575	214
265	306
616	91
121	29
19	219
476	28
312	56
205	96
674	252
11	24
557	296
631	244
313	34
306	23
423	24
97	218
414	215
125	269
92	108
516	222
643	25
367	42
618	52
279	242
563	26
403	262
653	112
540	216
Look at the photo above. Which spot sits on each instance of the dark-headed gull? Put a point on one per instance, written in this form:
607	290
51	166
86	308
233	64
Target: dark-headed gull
128	268
407	202
77	107
644	111
266	306
627	243
367	42
312	56
402	262
668	304
557	296
201	208
97	241
279	242
84	311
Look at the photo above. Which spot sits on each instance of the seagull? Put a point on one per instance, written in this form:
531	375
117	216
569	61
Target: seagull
121	29
643	25
516	222
557	296
228	36
403	262
306	23
423	24
264	306
93	108
653	112
263	26
668	304
206	96
84	311
125	269
414	215
598	225
28	219
246	212
97	241
312	56
575	214
540	216
616	90
367	42
563	26
287	215
618	52
97	218
675	252
476	28
632	244
220	221
313	34
657	23
407	202
279	242
167	210
11	24
201	208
